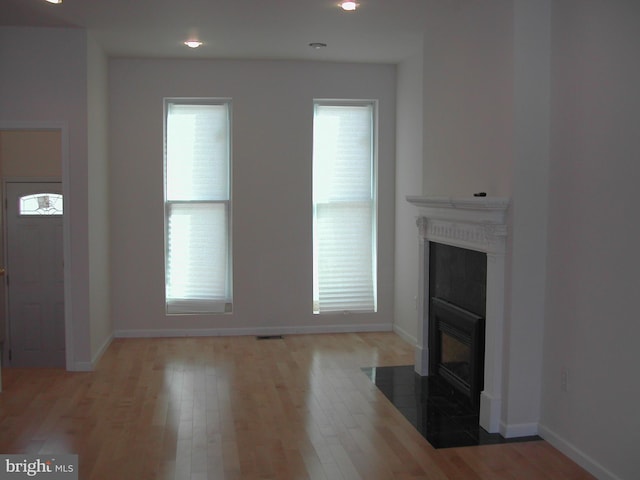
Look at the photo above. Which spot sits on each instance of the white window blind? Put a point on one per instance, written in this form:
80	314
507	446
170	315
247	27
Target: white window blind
197	208
344	207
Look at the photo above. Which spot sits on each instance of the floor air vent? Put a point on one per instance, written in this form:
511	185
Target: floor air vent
269	337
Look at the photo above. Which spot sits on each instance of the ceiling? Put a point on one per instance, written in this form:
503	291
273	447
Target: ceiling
385	31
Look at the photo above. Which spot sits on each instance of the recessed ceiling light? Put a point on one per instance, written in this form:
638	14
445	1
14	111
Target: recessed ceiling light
193	43
349	5
54	1
317	45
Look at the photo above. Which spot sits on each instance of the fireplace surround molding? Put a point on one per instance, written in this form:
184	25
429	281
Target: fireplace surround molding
475	223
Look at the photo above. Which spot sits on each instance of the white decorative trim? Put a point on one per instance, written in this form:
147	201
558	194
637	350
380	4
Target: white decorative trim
422	360
485	237
91	366
284	330
422	345
490	412
518	430
577	455
477	223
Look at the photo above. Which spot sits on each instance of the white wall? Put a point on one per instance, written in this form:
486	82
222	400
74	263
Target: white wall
409	157
98	197
44	82
272	145
468	98
527	218
592	325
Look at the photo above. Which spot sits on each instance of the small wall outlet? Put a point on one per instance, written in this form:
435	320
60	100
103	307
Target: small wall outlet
564	380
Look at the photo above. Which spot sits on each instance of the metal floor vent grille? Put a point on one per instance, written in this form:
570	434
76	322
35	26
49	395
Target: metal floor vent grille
269	337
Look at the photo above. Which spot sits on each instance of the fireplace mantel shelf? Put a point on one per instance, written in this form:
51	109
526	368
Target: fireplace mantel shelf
473	203
491	210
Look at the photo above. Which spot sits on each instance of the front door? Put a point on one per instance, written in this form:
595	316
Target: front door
35	274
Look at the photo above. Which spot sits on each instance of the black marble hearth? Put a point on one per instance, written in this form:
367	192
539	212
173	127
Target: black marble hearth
443	416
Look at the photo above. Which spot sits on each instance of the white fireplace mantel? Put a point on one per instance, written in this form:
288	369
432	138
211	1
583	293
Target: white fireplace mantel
476	223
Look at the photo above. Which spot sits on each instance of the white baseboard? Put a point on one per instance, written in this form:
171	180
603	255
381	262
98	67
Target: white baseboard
98	355
421	360
82	367
91	366
283	330
402	333
518	430
577	455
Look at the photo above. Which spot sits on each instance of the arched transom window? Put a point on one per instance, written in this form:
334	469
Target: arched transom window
40	204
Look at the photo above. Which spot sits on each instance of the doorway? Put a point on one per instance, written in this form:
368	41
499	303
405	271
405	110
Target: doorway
31	152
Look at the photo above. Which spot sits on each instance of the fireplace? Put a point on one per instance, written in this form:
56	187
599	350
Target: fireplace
457	348
457	301
479	225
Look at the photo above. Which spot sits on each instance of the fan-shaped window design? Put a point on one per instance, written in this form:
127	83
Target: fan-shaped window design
41	204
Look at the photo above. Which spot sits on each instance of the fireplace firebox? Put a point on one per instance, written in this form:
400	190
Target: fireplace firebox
457	349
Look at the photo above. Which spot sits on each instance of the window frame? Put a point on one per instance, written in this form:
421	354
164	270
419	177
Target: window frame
374	104
185	306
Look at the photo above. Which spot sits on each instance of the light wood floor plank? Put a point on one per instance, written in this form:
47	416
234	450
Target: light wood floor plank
238	408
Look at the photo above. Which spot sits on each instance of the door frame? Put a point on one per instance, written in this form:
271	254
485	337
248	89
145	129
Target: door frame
63	128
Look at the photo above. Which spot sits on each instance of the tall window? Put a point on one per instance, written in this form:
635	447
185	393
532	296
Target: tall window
198	206
344	206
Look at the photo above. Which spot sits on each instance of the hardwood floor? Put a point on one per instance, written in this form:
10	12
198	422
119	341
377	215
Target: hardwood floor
242	408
